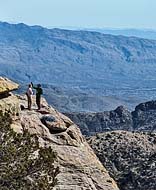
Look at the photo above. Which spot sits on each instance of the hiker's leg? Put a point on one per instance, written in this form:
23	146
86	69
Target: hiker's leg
30	102
38	102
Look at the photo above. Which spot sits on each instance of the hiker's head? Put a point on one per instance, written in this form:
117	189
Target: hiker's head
39	85
30	85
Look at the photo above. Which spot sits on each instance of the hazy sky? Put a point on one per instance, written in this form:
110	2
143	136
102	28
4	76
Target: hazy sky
81	13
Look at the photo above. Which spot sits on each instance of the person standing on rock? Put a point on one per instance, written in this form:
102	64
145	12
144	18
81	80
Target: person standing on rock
29	94
39	92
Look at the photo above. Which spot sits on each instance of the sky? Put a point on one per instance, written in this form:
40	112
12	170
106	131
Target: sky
137	14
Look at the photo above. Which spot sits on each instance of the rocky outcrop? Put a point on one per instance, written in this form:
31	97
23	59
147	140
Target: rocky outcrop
142	119
7	86
129	158
79	166
144	116
8	102
91	123
80	169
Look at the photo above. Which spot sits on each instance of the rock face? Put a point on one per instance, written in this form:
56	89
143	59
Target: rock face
142	119
144	116
80	169
91	123
129	157
6	86
8	102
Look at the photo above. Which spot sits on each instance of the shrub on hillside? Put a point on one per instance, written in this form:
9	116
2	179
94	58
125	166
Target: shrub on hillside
23	164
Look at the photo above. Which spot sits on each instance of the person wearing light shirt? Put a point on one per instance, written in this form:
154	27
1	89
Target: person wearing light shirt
29	94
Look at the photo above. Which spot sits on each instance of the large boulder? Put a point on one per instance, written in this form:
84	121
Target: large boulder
10	105
8	102
53	124
7	85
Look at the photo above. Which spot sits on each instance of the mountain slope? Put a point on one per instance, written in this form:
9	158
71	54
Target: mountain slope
129	158
140	33
87	58
92	63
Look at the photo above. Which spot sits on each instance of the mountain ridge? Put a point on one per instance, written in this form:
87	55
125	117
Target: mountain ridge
90	62
82	43
141	119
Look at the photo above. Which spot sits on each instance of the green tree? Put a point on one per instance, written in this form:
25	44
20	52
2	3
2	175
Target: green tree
23	164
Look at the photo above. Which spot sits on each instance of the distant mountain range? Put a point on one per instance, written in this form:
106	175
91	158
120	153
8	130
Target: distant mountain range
140	33
90	63
129	32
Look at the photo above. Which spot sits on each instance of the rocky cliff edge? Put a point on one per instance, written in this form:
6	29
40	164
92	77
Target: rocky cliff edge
79	167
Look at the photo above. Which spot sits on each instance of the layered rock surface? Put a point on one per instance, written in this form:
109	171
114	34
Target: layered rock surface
129	157
8	102
7	86
79	167
142	119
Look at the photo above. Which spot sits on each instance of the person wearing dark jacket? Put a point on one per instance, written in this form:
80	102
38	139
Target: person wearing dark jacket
39	92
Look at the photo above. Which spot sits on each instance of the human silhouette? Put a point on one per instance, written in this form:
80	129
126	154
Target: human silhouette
29	94
39	92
